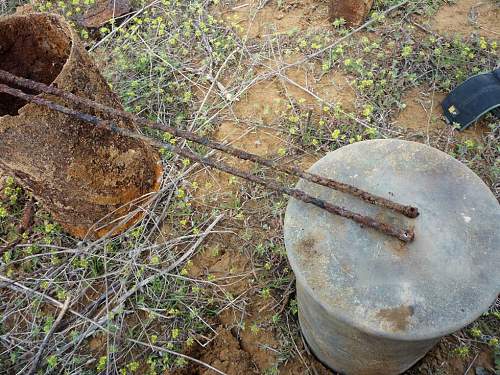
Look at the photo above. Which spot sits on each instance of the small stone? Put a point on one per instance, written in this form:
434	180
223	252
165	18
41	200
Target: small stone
353	12
103	11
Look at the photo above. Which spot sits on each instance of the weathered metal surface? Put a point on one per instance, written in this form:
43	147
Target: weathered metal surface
350	350
102	11
89	179
370	304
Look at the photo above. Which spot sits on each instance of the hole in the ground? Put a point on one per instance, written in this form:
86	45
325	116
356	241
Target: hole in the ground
34	47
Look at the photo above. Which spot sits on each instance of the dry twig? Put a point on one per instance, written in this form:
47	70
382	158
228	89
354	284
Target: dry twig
38	357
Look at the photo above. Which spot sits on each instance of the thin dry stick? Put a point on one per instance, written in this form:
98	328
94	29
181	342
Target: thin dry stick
160	349
409	211
6	282
16	286
174	265
405	235
24	226
470	366
102	322
45	341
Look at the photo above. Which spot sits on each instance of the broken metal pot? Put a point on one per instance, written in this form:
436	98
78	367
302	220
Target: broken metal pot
92	180
370	304
354	12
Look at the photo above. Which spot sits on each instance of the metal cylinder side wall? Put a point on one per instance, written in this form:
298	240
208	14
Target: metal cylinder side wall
350	351
80	173
369	304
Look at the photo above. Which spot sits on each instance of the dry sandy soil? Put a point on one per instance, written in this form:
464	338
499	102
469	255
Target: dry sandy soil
253	123
237	351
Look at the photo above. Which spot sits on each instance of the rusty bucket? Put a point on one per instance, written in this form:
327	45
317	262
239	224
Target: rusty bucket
354	12
370	304
91	180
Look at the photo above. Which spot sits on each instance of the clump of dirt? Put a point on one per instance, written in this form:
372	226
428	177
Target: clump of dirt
225	354
468	16
259	345
354	12
243	333
253	332
97	344
307	365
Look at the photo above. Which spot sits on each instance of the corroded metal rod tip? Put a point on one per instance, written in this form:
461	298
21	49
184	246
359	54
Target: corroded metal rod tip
412	212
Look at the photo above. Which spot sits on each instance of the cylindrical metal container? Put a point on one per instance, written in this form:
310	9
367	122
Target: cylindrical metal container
370	304
88	178
354	12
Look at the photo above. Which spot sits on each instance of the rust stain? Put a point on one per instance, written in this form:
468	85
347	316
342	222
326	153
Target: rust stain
398	247
307	244
103	11
397	317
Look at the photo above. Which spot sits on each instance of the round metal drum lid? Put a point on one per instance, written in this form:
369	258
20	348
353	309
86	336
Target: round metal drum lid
430	287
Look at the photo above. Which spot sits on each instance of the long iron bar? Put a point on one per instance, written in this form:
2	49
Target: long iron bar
409	211
405	235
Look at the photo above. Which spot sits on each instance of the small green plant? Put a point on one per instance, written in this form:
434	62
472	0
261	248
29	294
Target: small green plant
462	351
475	332
52	361
101	365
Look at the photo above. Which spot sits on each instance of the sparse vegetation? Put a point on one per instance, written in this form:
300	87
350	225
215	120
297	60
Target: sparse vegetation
209	255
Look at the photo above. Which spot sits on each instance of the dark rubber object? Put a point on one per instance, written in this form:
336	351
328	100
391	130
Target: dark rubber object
472	99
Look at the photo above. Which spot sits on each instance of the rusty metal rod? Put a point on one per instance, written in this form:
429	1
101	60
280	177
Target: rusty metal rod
409	211
405	235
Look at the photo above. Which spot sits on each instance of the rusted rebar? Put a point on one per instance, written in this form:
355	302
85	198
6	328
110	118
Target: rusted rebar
409	211
405	235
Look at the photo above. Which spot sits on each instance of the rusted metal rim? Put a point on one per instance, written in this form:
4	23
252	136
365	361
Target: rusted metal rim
64	28
76	53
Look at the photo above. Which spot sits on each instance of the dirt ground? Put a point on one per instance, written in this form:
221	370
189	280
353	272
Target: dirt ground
235	351
250	333
468	16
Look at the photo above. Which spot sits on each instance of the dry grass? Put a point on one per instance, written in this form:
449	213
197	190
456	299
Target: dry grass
153	298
